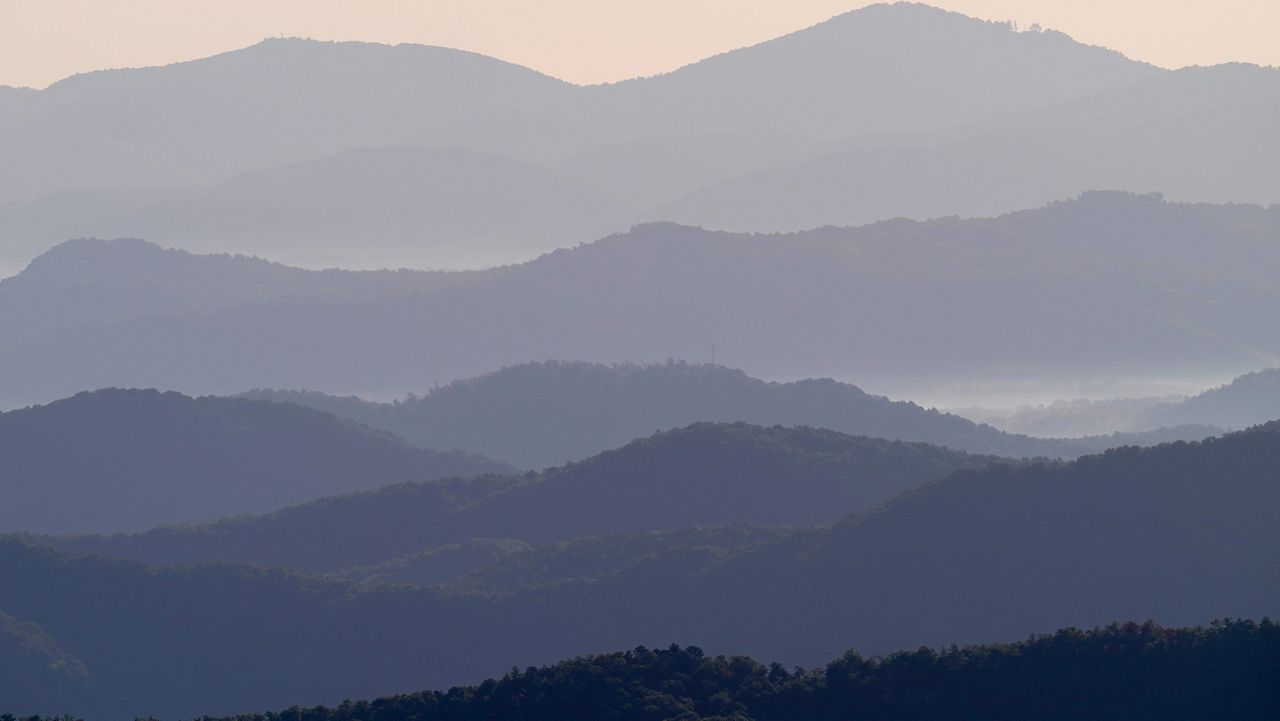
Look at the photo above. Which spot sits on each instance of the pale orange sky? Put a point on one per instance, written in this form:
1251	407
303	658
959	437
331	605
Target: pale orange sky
582	41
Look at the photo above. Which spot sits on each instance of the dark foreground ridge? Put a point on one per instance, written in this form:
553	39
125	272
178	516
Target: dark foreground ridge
1180	534
1130	671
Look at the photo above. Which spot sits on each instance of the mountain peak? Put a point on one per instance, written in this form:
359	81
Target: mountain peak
80	254
99	260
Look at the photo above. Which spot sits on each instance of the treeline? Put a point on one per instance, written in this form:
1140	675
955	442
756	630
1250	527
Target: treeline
1229	670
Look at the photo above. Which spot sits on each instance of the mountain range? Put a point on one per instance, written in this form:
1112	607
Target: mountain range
474	304
117	460
1120	672
1180	533
1107	284
924	113
535	415
1248	400
702	475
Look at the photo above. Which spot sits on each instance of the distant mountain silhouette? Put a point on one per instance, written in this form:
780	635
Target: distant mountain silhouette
1248	400
386	207
705	474
277	102
1198	134
882	68
162	132
541	414
117	460
1178	533
88	283
1107	284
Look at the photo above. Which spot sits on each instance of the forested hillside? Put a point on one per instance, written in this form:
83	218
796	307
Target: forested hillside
1123	672
1180	534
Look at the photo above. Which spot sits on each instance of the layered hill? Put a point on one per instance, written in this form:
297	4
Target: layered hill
376	208
90	283
129	152
1126	534
883	68
286	100
1247	400
188	154
277	102
503	565
705	474
1197	134
1118	672
1179	533
117	460
1108	283
540	414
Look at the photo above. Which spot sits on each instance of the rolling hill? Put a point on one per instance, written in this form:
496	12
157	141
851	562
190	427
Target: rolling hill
880	68
1180	533
277	102
375	208
1108	284
163	143
503	565
143	458
541	414
1197	134
704	474
1247	400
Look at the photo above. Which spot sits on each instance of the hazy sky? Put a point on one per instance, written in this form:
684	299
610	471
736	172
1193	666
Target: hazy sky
578	40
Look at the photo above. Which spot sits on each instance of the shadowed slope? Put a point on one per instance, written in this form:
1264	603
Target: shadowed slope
118	460
705	474
1180	533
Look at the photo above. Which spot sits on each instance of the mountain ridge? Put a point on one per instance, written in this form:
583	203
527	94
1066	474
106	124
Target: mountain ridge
145	457
727	473
901	292
943	69
978	556
596	407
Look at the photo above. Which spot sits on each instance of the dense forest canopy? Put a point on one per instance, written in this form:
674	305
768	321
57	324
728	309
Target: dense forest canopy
1123	672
